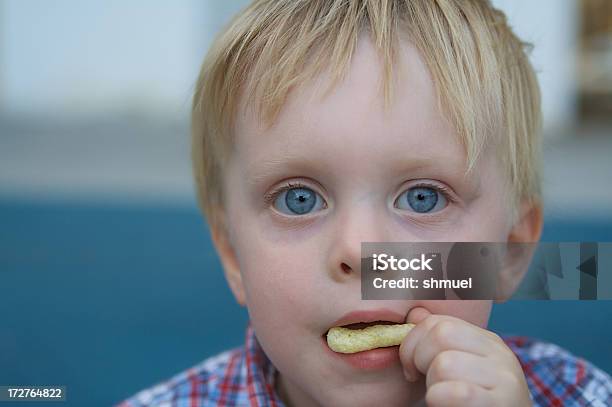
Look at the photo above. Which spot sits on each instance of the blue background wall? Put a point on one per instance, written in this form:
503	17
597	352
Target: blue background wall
108	300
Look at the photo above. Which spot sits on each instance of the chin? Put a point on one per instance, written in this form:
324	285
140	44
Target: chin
391	392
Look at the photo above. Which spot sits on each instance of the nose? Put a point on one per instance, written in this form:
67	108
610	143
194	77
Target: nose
360	223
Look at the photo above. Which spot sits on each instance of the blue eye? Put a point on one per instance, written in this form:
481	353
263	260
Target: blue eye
297	201
422	200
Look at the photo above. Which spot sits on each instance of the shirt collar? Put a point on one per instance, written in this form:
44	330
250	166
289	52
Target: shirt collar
261	373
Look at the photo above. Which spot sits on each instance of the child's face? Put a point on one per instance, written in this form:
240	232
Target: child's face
299	258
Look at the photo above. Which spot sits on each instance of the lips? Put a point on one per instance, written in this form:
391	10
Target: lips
363	318
370	360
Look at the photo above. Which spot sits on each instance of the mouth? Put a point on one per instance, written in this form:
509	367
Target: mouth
373	359
361	325
365	318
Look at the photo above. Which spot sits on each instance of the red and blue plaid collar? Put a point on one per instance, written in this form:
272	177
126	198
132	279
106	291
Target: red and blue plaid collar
260	373
245	376
554	376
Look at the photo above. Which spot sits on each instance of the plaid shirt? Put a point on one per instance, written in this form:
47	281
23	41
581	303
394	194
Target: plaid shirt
245	377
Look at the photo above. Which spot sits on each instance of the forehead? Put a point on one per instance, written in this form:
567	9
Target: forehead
351	126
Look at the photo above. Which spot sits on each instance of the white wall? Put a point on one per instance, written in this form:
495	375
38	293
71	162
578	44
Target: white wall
552	26
67	57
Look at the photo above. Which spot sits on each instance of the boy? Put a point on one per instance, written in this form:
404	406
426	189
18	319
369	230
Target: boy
299	157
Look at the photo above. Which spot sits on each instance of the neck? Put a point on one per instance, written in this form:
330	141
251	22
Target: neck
291	395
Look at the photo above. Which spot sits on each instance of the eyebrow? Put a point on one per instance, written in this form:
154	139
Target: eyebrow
262	170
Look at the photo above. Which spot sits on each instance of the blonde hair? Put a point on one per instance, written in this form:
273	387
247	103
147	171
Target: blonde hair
486	86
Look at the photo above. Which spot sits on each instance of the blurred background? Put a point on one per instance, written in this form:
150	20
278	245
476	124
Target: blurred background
108	280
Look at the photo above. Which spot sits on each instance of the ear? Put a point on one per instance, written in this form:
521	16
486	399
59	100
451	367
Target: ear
528	228
522	239
223	244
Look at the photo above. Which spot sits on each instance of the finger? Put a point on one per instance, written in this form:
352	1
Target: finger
453	365
458	393
435	334
450	334
417	314
406	349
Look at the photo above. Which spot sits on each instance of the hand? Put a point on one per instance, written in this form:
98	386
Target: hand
464	365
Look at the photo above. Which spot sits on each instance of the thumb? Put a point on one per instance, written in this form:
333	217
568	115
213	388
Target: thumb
408	345
417	314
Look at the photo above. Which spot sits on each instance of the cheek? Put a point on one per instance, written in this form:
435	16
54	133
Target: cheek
282	297
279	280
278	275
